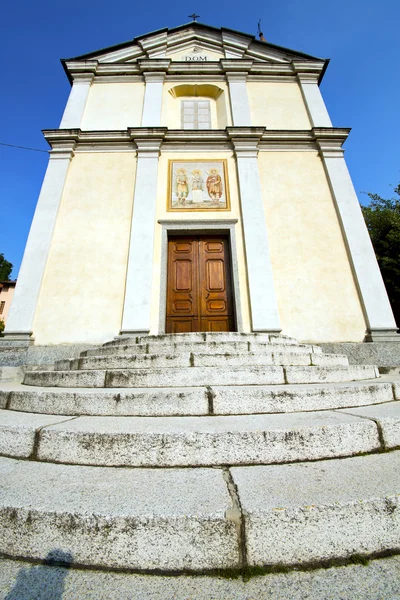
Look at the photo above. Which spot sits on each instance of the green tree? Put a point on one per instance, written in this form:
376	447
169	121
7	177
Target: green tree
5	269
382	217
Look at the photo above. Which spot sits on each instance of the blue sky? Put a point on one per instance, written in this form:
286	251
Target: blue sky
361	86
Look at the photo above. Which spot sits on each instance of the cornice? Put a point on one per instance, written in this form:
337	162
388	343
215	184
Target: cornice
256	71
328	141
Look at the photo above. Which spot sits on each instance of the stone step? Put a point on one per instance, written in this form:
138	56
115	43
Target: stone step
11	373
190	359
199	376
267	338
199	441
123	518
218	400
367	580
309	512
200	346
167	520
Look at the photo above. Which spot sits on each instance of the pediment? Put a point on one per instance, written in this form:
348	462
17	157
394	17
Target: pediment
196	42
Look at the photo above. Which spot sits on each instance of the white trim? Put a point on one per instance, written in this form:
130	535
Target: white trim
263	303
137	303
313	100
75	107
152	104
23	307
239	99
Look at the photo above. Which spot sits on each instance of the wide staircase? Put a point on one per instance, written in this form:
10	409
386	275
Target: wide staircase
200	453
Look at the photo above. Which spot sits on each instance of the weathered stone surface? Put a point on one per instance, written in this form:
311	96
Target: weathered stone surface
308	512
119	350
195	376
326	360
132	361
190	359
198	376
388	417
90	379
18	353
383	354
379	579
396	390
4	395
11	373
194	401
210	337
201	346
331	374
294	398
125	518
200	441
116	402
17	431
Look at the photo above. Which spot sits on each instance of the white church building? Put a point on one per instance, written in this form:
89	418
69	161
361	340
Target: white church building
196	183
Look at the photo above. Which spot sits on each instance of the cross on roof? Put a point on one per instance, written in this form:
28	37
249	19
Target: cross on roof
194	17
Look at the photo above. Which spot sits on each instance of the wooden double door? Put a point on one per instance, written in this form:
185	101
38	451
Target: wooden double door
199	289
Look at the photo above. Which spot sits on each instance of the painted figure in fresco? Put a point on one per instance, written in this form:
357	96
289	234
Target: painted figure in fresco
197	185
197	180
182	186
214	185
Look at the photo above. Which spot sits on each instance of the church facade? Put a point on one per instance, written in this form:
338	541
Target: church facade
196	183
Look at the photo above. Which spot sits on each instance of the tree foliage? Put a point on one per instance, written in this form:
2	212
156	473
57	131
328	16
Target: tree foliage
5	269
382	217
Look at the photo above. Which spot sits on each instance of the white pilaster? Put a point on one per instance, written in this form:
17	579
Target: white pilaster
136	315
152	104
373	295
313	100
239	99
263	304
73	113
23	307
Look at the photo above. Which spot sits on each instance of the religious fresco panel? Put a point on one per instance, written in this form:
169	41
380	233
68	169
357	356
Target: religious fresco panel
198	185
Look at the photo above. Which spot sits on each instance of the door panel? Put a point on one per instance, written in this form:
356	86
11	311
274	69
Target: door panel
199	294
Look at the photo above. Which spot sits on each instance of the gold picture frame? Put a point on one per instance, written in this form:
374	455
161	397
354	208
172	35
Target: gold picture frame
198	185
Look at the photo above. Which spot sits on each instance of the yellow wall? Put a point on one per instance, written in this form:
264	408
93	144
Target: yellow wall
82	293
317	296
113	106
277	105
162	213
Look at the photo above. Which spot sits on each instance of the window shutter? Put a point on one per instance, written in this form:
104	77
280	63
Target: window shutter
203	114
189	114
196	114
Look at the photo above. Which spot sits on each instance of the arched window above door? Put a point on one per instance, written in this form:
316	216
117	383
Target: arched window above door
197	106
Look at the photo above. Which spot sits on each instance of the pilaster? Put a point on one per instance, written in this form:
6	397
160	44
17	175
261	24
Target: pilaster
23	307
313	100
263	304
137	304
75	108
377	310
152	104
237	81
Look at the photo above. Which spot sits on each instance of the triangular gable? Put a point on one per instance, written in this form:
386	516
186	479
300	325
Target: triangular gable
195	38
